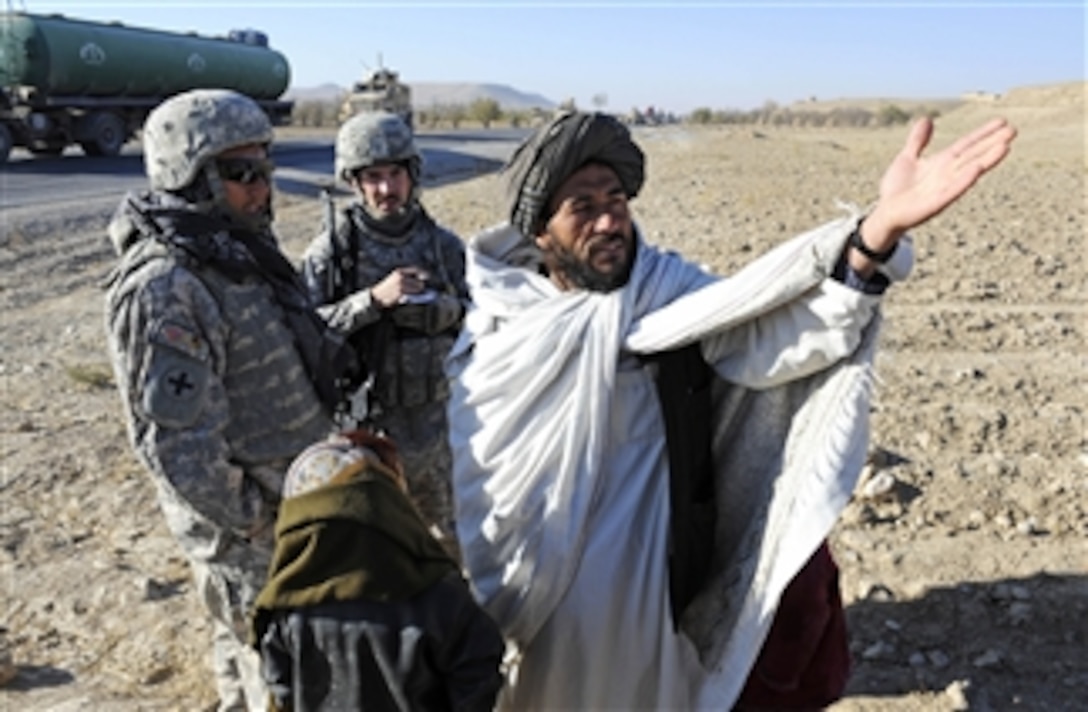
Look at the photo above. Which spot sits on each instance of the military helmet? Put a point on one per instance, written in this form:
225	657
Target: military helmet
370	138
182	133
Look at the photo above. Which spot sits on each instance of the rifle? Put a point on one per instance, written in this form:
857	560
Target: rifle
340	276
369	343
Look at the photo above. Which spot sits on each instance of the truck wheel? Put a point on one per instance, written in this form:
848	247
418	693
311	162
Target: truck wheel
106	135
5	143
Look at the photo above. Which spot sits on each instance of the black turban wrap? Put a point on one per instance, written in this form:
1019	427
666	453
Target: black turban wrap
559	148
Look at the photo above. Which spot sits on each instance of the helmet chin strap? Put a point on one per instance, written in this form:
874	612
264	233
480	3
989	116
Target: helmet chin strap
218	205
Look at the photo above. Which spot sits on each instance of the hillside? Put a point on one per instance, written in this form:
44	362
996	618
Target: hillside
425	94
875	104
431	93
1066	96
1049	107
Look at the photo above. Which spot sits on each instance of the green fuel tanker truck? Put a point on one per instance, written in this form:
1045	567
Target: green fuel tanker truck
65	81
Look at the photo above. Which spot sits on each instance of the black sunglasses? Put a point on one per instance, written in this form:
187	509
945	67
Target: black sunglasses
245	170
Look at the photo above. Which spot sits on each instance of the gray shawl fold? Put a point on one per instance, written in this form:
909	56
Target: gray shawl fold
788	458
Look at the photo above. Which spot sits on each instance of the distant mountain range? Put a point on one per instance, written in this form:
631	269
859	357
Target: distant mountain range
425	94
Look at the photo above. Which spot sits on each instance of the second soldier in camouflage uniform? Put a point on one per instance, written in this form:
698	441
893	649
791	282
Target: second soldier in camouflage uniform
395	280
224	368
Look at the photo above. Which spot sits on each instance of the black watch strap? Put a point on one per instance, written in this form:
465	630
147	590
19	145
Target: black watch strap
858	244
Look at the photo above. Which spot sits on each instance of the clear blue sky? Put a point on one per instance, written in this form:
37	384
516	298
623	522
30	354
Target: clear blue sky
674	55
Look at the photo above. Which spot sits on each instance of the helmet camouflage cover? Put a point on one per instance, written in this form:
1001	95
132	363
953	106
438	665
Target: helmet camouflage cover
374	137
182	133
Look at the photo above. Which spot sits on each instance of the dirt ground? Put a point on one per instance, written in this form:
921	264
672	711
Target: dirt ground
964	557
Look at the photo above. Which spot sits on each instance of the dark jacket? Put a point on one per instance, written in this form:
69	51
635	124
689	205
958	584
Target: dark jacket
364	610
436	651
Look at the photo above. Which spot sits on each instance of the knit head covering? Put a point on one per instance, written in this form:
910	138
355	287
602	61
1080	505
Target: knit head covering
559	148
346	530
338	459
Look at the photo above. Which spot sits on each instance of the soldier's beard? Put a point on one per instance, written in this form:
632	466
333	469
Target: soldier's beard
395	224
257	221
580	274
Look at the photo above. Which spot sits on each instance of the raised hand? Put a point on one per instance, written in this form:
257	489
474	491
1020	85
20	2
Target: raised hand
916	188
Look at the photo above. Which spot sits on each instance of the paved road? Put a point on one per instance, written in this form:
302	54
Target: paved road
29	184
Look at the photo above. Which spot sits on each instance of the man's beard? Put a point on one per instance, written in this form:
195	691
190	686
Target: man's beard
395	224
579	273
255	222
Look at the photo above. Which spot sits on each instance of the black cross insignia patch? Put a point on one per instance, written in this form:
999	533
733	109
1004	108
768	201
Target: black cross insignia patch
179	384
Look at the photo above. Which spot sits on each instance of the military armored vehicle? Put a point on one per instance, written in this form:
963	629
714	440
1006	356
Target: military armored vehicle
382	90
67	81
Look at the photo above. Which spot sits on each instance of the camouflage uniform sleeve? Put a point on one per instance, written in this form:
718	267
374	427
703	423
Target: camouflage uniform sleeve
453	254
347	315
169	344
316	262
351	313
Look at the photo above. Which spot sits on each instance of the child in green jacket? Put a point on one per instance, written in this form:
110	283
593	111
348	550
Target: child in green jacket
364	609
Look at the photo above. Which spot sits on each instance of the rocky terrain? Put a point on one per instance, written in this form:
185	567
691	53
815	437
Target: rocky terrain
964	552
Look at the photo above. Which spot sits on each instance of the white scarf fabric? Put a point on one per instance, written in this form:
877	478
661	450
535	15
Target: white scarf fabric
531	377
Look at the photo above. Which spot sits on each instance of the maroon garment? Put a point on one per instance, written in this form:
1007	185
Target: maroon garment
805	661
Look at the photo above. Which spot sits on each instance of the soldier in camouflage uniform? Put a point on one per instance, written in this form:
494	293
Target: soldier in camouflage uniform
225	369
394	280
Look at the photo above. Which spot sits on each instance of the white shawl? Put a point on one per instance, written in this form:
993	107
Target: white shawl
531	378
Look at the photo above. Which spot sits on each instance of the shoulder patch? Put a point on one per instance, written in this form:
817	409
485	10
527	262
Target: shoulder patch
175	387
181	338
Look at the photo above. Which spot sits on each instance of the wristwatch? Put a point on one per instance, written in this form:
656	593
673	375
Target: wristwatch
858	244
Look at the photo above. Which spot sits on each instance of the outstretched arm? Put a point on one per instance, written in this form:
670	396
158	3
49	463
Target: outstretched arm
916	188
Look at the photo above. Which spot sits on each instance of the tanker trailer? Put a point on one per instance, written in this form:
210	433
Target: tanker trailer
65	81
